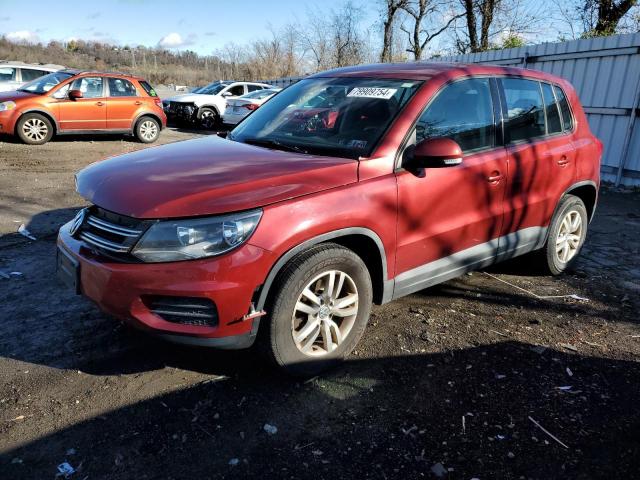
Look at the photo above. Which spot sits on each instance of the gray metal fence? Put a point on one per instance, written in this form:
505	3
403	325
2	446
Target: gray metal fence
606	74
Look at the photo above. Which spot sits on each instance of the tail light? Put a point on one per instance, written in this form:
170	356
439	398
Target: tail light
251	106
158	102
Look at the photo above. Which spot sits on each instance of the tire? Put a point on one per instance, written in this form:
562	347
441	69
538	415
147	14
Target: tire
208	118
311	271
34	129
147	129
569	223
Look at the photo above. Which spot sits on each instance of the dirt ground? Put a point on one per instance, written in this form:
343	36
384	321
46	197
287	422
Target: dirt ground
457	381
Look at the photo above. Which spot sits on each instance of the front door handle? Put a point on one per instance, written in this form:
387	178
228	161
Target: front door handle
563	161
100	104
494	177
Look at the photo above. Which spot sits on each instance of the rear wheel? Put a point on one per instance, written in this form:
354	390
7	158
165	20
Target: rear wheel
209	118
34	129
567	233
319	311
147	130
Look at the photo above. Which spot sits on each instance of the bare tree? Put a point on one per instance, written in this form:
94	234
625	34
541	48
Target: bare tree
315	40
593	18
485	10
392	9
488	23
420	11
348	45
607	13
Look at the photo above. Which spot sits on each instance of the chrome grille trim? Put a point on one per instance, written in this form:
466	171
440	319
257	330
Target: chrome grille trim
102	243
112	228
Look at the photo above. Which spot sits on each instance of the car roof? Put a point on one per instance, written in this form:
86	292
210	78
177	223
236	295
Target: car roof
75	72
427	70
36	66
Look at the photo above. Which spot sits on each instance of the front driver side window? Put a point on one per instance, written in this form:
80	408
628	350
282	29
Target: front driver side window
463	112
91	87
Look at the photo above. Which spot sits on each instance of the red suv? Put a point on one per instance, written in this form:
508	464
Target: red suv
352	186
71	101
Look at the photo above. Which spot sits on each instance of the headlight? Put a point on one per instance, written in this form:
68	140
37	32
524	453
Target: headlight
173	240
7	105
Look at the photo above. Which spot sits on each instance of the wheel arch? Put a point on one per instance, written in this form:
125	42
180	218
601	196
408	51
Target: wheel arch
362	241
145	114
587	191
209	106
44	113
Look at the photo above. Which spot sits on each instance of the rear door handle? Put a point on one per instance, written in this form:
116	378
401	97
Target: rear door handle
100	104
494	178
138	102
563	161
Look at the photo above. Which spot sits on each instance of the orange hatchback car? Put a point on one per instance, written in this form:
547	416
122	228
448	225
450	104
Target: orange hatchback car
75	102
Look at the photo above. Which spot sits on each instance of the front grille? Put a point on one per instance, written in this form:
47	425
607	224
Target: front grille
171	107
184	111
109	232
183	310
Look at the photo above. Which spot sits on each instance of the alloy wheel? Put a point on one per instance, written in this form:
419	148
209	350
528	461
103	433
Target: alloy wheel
325	313
569	236
208	119
35	129
148	130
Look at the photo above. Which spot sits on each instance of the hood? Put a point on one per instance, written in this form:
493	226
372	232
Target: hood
15	95
207	176
188	98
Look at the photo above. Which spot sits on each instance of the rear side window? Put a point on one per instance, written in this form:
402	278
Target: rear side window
119	87
567	118
253	88
29	74
148	88
551	109
525	114
7	74
463	112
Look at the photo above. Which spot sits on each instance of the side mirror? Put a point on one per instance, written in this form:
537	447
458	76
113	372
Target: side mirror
436	153
75	94
226	94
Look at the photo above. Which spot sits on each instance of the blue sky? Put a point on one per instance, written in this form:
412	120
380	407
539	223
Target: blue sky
199	25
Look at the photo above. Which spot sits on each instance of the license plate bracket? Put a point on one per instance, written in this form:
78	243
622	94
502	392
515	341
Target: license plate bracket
68	270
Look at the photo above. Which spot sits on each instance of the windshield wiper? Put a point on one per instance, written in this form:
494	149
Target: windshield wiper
275	144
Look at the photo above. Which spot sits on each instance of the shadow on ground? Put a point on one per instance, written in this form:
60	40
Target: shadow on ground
391	417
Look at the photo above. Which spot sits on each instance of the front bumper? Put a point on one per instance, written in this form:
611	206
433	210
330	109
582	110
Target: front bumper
229	280
8	122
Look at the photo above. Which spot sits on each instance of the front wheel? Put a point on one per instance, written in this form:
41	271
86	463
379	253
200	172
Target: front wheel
209	118
567	233
34	129
319	311
147	130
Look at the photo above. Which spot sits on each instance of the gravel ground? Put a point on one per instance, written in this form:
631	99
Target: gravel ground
457	381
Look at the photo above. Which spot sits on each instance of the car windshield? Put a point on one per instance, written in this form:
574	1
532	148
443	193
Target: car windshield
211	89
335	116
46	83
